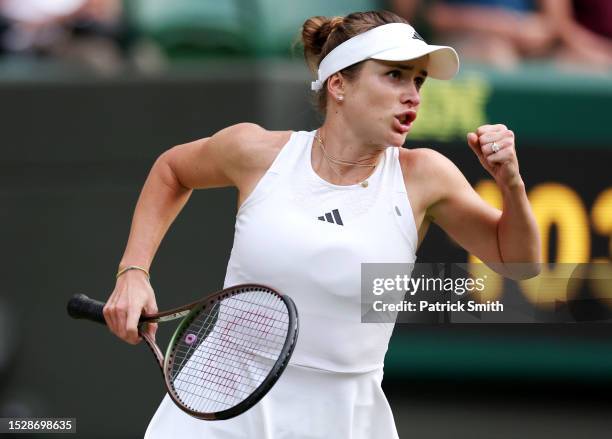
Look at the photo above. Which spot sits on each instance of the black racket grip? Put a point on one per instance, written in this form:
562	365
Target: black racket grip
82	307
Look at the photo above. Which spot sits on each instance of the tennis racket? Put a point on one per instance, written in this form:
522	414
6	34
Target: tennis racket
226	353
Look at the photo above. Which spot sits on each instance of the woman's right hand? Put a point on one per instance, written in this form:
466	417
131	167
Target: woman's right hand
132	296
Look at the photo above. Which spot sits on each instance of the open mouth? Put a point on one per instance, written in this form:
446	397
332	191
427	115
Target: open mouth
404	121
406	118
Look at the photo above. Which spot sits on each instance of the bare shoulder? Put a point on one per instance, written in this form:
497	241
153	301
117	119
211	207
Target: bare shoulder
424	162
426	166
430	177
234	156
248	145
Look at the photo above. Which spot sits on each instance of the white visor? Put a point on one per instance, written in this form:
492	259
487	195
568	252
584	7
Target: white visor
389	42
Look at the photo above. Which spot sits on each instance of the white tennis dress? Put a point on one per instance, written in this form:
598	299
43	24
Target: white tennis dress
307	238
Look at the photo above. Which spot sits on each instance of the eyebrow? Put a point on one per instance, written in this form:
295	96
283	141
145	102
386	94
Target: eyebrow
403	67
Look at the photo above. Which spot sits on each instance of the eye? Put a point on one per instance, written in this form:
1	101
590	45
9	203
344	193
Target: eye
395	74
419	81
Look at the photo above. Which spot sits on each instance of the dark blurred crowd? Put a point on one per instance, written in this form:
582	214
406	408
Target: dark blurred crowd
89	31
505	32
501	33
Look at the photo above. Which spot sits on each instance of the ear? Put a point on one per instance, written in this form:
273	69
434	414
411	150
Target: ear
335	86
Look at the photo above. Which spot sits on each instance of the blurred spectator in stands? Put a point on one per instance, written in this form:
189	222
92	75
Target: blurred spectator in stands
498	32
407	9
584	28
502	32
85	30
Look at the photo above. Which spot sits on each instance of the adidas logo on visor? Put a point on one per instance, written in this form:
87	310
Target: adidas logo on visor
416	36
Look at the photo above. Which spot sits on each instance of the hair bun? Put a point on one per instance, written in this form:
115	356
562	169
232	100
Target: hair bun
336	22
315	32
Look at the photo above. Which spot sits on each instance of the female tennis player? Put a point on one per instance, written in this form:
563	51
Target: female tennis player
315	205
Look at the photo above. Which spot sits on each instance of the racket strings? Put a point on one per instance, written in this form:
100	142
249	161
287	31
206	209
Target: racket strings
226	381
219	373
207	322
203	329
232	362
221	379
249	323
229	358
227	351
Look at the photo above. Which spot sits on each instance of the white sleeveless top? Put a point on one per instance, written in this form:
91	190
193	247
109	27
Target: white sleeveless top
307	238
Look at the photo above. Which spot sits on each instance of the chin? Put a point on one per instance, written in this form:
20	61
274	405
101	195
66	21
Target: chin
397	140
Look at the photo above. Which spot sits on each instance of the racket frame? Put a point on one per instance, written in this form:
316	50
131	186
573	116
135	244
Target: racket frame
82	307
188	313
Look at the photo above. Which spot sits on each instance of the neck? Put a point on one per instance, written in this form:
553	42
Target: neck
342	157
342	142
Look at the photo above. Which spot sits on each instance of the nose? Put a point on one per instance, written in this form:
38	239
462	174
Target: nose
411	95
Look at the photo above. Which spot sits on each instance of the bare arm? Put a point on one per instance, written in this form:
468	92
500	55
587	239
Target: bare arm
224	159
161	199
204	163
496	237
517	232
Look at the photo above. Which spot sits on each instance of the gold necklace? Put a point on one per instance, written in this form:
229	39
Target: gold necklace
338	161
331	159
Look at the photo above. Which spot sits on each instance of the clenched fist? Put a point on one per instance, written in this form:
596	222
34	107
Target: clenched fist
494	146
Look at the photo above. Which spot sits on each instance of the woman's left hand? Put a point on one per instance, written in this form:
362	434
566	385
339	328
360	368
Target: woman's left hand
494	147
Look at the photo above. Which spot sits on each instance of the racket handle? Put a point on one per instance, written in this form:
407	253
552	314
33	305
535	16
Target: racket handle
82	307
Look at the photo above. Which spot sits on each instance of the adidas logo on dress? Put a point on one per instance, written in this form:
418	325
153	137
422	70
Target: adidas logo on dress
332	217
